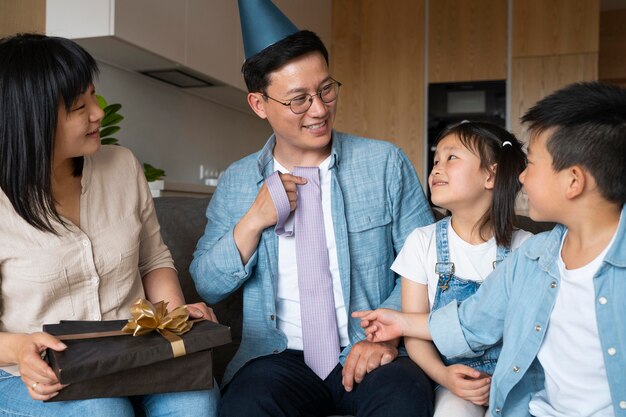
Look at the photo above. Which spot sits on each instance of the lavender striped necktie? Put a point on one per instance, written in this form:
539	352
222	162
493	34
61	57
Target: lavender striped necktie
320	335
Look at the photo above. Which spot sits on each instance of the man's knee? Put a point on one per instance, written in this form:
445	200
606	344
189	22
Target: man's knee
400	385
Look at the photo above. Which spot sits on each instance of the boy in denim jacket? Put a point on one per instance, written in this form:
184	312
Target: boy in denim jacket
557	303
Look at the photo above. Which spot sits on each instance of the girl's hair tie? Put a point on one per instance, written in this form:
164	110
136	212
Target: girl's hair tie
505	143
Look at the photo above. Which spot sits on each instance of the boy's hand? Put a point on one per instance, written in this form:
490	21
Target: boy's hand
381	325
468	383
201	311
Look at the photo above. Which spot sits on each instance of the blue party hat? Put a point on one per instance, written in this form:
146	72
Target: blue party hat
262	25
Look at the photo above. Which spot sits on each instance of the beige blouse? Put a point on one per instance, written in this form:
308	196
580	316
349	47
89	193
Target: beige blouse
91	273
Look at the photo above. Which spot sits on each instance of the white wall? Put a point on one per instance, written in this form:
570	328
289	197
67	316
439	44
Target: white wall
177	131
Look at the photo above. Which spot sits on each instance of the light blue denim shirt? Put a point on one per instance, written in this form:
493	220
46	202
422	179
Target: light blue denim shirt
515	305
377	201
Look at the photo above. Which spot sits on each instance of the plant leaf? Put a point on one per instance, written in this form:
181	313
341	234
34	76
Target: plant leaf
112	108
101	101
152	173
111	119
108	131
109	141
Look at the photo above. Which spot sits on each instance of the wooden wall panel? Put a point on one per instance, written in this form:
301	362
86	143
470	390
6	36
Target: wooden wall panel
22	16
536	77
378	54
612	57
555	27
467	40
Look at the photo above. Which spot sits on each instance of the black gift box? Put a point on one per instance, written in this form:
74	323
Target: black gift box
126	365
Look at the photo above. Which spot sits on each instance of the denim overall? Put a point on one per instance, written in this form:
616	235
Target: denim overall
451	288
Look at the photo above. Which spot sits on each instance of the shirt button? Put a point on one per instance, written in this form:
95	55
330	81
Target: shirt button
516	369
95	280
497	411
622	404
603	300
612	351
272	317
275	351
553	284
537	327
85	243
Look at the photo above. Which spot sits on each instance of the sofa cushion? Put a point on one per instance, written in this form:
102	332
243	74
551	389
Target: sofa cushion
182	221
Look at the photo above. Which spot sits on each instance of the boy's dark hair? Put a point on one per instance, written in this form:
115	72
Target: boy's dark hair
494	145
589	122
37	75
257	68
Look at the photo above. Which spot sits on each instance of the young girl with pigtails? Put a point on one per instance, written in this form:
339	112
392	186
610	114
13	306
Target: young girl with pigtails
475	178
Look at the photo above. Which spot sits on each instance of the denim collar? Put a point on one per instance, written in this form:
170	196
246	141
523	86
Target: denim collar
548	252
265	159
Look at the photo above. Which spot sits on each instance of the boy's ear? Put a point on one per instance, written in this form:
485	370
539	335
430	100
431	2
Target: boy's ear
257	104
576	181
491	177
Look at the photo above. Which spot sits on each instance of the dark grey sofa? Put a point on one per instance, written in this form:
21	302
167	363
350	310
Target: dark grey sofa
183	221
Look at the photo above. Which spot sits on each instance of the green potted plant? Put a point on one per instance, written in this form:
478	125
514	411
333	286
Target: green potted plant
109	127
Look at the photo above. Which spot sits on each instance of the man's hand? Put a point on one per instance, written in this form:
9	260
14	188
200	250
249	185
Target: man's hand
468	383
382	324
263	209
363	358
201	311
261	215
38	377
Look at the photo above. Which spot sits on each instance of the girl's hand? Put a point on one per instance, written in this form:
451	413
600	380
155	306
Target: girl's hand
201	311
381	325
468	383
38	377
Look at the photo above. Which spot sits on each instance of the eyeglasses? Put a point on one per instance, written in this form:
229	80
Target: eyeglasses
302	103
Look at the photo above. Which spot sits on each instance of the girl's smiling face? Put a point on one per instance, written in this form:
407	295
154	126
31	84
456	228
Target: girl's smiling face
457	179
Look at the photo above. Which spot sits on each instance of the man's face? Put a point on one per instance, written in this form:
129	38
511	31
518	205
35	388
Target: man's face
308	133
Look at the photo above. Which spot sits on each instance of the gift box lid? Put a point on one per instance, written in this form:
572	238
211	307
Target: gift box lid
90	358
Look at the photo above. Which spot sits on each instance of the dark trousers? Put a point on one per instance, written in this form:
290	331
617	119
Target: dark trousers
283	385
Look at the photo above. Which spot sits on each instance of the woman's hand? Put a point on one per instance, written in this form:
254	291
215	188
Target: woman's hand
468	383
201	311
38	377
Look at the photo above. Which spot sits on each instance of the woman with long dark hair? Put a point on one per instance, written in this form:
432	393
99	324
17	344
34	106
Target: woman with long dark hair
79	237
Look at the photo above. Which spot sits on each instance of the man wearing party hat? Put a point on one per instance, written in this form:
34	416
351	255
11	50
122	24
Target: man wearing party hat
309	226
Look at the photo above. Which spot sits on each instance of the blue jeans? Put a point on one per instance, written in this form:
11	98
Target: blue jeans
15	401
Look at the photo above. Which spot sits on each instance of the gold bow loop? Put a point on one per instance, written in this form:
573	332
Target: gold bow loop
148	317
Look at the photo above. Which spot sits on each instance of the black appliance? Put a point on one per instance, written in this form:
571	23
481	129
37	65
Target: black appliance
450	103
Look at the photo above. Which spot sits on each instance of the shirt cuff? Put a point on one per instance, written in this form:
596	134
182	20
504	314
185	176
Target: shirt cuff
447	332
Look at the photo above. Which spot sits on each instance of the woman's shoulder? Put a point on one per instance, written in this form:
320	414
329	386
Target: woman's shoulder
114	158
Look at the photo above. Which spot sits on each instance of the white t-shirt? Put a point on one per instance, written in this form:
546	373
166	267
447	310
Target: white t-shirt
570	354
416	261
288	295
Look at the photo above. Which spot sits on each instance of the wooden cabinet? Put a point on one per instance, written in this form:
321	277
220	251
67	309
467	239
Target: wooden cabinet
555	43
612	56
22	16
467	40
378	53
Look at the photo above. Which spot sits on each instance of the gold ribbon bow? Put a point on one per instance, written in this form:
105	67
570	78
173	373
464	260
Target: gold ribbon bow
148	317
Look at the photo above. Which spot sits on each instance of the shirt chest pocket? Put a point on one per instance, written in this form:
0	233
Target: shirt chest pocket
42	286
369	236
116	258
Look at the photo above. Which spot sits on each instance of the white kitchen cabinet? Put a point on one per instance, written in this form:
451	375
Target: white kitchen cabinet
198	35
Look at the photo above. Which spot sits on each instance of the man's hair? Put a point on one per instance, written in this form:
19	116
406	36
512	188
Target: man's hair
257	68
37	75
589	129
